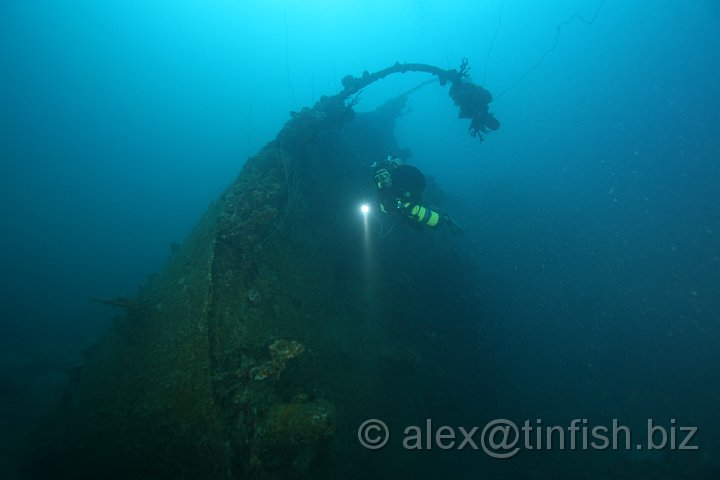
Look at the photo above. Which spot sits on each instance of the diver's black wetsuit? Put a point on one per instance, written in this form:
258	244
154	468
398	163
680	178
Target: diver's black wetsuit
408	185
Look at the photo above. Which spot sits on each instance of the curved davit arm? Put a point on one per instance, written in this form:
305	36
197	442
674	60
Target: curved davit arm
472	99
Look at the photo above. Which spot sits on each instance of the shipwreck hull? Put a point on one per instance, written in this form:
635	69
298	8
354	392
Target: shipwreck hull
274	330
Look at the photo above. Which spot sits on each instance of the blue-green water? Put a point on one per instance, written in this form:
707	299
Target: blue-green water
592	215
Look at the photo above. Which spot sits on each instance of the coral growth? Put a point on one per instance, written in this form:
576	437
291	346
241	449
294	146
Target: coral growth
281	351
196	380
297	423
473	102
253	295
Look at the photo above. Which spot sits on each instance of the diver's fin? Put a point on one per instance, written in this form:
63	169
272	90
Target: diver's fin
455	228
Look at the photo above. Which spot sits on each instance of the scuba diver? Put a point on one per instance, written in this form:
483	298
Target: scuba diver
400	188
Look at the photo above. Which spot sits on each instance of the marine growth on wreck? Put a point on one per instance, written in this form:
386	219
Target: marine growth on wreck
260	347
